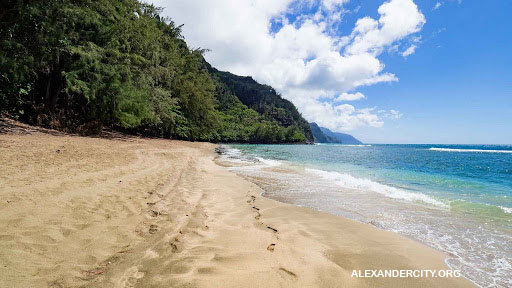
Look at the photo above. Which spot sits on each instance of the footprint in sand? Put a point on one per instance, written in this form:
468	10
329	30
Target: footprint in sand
287	272
174	247
271	247
153	229
276	234
273	229
251	200
154	213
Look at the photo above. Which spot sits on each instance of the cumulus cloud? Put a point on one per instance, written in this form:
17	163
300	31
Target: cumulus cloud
306	60
350	97
398	19
437	6
333	4
335	116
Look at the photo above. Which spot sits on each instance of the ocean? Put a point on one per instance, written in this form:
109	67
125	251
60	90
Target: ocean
454	198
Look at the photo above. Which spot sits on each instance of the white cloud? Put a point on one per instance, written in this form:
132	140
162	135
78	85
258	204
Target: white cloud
395	114
409	50
350	97
342	117
415	41
437	6
391	114
304	60
398	19
333	4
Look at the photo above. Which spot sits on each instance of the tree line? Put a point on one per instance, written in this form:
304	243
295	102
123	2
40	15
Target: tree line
80	65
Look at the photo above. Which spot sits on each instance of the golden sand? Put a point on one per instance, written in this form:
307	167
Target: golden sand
90	212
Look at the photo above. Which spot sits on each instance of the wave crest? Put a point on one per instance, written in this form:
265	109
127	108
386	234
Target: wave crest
351	182
507	210
469	150
269	162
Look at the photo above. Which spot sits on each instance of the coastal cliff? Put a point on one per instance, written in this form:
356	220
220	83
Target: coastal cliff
324	135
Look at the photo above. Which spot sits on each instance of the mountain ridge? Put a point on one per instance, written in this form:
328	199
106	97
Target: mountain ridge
261	98
324	135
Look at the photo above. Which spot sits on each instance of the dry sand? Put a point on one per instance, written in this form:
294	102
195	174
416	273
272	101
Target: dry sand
89	212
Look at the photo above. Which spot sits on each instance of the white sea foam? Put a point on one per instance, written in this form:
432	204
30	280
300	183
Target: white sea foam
469	150
231	152
236	156
346	145
351	182
507	210
269	162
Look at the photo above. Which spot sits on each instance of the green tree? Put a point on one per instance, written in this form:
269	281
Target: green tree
76	64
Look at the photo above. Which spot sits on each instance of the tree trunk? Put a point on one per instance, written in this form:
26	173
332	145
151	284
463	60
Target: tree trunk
48	91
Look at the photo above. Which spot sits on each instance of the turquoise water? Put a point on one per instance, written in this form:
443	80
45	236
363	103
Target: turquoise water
476	177
455	198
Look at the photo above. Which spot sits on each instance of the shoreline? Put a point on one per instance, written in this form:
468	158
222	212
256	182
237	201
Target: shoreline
258	180
151	212
289	201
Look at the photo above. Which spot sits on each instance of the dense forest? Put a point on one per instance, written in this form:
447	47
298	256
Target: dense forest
81	65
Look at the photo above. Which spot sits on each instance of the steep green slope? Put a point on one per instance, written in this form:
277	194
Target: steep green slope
340	137
319	136
263	99
324	135
79	65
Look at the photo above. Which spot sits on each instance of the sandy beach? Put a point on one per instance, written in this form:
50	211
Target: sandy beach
130	212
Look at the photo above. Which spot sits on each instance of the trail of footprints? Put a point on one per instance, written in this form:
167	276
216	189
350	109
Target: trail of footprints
252	202
272	246
156	204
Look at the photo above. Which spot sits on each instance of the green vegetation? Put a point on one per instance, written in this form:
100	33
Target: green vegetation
324	135
255	113
320	136
79	65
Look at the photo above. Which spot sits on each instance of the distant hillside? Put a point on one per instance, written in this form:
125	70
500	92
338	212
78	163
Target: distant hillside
324	135
262	98
342	137
320	136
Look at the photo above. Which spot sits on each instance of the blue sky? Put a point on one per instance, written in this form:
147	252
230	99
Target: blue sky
395	71
457	86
